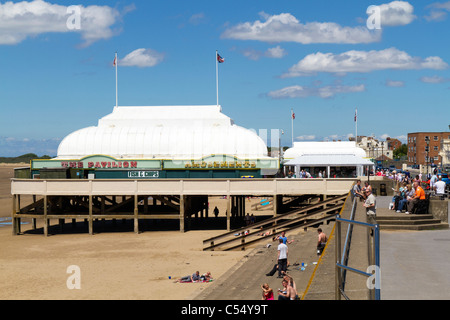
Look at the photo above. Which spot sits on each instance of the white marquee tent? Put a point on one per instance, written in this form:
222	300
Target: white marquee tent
164	132
329	155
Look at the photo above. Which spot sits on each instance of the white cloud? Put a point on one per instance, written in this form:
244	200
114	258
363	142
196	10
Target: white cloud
276	52
21	20
141	58
252	54
396	13
197	18
438	11
310	137
322	92
434	79
285	27
402	138
393	83
362	61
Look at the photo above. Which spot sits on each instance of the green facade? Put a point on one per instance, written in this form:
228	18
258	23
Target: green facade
106	167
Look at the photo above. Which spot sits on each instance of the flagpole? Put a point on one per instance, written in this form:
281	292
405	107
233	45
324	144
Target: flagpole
116	62
356	127
292	126
217	79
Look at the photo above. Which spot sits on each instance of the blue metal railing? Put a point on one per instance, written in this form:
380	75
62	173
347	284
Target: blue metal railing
342	257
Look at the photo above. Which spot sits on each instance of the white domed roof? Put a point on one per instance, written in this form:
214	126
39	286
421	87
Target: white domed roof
329	148
166	132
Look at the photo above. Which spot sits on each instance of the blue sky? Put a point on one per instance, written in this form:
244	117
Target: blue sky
319	58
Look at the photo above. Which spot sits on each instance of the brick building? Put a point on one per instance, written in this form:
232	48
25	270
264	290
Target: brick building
424	147
393	143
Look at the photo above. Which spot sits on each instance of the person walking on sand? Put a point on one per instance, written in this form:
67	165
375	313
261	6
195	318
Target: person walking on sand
282	257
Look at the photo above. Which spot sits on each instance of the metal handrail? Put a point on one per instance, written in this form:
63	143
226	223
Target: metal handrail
342	257
346	250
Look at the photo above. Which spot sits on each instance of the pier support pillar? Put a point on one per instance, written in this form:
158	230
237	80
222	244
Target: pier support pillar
136	218
91	228
182	212
228	212
45	217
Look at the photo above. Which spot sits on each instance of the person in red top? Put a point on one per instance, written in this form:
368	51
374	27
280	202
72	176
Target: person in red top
267	292
419	195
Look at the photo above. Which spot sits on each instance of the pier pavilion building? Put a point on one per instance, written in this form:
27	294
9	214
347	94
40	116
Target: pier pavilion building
161	164
160	142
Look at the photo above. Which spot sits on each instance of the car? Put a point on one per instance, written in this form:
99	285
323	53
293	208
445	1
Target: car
445	179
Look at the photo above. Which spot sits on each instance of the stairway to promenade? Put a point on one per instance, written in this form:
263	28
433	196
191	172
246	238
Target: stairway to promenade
391	220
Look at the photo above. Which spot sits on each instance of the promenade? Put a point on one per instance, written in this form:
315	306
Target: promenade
413	266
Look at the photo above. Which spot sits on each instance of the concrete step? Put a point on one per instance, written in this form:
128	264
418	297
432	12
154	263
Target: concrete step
408	221
432	226
403	216
402	221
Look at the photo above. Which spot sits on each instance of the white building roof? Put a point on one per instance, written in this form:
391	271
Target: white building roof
324	148
322	160
163	132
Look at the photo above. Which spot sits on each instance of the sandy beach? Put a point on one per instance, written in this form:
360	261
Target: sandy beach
113	265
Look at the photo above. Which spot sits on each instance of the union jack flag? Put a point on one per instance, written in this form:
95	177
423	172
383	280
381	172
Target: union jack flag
220	59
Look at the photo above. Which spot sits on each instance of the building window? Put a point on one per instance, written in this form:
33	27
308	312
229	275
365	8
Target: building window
426	149
436	158
436	148
427	138
436	138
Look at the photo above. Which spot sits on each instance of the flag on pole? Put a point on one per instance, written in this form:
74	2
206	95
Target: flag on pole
292	125
220	59
114	63
356	114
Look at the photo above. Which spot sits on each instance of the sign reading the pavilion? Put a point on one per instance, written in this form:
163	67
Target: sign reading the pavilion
99	164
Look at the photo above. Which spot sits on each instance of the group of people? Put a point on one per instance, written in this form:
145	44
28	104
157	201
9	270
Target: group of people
289	291
437	185
302	174
282	255
365	194
407	197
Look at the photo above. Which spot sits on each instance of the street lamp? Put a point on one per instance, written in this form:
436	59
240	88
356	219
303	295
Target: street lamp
427	139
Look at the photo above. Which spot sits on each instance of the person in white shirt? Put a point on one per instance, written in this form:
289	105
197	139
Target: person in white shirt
282	258
439	186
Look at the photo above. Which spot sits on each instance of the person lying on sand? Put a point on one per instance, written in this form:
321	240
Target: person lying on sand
194	278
